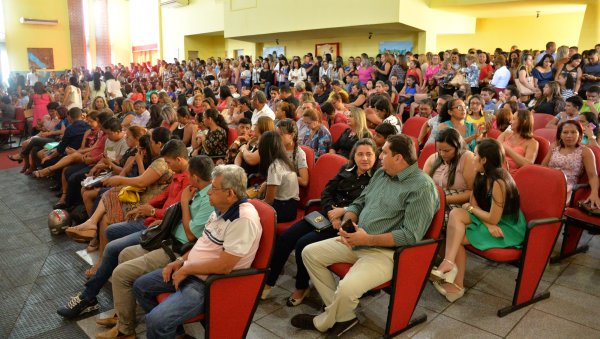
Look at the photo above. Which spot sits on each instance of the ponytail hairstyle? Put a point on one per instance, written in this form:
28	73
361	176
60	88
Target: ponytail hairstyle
288	126
215	116
96	79
271	148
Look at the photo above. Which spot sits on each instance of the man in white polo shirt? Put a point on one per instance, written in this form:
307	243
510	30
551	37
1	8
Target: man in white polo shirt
259	101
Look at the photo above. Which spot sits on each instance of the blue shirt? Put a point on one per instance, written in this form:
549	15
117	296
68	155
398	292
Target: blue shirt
200	210
73	136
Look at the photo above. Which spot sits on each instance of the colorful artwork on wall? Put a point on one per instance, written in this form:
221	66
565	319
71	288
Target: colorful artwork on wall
332	48
395	47
41	58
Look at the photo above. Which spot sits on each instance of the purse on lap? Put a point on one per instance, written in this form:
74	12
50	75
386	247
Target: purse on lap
587	208
130	194
318	221
152	237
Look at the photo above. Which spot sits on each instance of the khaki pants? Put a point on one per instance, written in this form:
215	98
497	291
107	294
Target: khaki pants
134	262
372	267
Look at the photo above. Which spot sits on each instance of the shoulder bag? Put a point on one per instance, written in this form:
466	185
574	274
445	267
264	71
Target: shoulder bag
318	221
152	237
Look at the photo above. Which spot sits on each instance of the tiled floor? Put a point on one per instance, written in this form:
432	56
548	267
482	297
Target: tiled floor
38	272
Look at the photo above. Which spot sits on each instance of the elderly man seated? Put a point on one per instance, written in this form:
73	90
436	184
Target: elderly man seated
230	241
395	209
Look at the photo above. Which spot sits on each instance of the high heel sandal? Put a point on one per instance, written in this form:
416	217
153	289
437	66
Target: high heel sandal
450	296
437	275
13	157
43	173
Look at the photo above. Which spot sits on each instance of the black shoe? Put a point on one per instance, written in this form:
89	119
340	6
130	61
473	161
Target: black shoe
340	328
304	321
77	306
60	206
55	188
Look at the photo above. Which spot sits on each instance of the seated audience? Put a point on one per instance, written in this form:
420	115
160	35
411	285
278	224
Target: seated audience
236	226
451	168
244	128
316	135
550	102
571	112
341	190
491	219
385	221
453	115
357	130
289	134
248	157
569	156
213	142
519	145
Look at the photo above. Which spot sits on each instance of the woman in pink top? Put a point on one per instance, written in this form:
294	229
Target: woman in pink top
365	70
40	101
520	146
451	167
433	67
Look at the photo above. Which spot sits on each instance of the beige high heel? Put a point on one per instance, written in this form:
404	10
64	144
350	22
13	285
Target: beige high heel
437	275
450	296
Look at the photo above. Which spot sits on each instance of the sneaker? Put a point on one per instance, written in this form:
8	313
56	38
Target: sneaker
304	321
340	328
77	306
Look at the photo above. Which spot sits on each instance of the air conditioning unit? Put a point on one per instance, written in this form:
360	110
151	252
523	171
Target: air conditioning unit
30	21
174	3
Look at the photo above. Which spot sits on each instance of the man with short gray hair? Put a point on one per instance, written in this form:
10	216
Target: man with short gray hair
259	102
142	116
229	242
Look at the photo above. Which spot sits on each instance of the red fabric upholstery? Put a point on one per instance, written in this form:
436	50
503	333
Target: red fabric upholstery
427	151
542	193
231	136
540	120
416	143
412	126
543	149
493	133
336	131
546	133
237	293
324	170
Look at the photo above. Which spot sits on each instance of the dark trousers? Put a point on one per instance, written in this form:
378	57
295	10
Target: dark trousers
74	175
286	209
300	235
35	143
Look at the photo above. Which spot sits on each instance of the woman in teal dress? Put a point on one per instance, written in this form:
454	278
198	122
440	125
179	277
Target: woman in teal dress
491	219
453	115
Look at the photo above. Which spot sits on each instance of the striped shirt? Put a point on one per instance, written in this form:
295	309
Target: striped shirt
403	205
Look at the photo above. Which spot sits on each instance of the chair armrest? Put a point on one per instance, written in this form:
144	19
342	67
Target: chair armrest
399	249
237	273
575	188
311	203
538	222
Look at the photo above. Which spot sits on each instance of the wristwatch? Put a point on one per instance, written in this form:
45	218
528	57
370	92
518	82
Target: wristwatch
180	259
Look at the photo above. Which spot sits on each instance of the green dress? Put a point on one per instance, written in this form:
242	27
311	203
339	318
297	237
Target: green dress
514	233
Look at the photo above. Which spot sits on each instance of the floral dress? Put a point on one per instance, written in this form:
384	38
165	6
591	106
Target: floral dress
215	143
570	164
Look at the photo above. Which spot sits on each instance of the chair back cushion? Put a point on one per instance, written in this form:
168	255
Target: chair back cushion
540	120
413	125
543	148
435	228
546	133
267	221
336	131
231	136
542	190
425	153
325	169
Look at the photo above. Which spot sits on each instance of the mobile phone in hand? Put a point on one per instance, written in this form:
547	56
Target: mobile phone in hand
348	226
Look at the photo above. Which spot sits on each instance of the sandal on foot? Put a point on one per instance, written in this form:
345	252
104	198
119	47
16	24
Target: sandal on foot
90	272
43	173
92	246
437	275
15	157
79	234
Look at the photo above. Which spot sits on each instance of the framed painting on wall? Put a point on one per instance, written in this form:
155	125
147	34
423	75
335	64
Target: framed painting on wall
332	48
40	58
395	47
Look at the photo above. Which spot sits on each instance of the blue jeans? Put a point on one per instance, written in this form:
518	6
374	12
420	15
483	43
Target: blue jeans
120	236
165	320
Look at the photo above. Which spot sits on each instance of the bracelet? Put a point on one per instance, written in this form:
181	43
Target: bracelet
470	209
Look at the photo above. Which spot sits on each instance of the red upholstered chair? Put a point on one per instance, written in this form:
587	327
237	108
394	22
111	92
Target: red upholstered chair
412	126
231	299
425	153
493	133
546	133
540	120
325	169
412	265
543	149
576	220
543	193
231	136
14	127
336	131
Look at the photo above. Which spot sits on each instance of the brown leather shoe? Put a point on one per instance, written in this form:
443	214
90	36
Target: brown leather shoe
108	322
114	333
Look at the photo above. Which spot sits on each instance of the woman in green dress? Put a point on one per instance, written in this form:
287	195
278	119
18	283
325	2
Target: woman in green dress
491	219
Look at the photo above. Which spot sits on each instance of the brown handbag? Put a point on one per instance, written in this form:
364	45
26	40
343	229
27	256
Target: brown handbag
587	208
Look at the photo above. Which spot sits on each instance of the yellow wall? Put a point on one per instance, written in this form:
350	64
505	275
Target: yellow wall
525	32
254	17
19	36
207	46
119	28
199	17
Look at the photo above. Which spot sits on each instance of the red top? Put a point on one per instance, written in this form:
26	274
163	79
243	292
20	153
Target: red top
168	197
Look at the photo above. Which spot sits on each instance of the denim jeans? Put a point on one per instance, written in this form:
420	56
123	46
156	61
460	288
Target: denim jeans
74	175
120	236
165	320
300	235
286	209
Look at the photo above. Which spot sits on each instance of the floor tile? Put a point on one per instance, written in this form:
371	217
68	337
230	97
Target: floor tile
501	282
572	305
581	278
537	324
480	310
279	322
443	327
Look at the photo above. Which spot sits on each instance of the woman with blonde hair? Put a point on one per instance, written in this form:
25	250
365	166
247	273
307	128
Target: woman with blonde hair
523	79
99	104
562	58
164	99
357	130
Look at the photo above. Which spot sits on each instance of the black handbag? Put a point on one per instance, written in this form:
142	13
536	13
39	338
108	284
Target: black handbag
152	237
318	221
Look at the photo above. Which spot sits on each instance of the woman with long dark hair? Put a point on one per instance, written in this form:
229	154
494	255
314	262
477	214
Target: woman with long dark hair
491	219
281	189
213	142
288	130
96	87
72	97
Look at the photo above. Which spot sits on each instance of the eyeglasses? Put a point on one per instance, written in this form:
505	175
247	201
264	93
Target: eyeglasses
212	188
460	108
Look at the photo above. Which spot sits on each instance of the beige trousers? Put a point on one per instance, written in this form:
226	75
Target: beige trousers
371	267
134	261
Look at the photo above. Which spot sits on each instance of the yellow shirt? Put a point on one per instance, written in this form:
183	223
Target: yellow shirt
477	122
